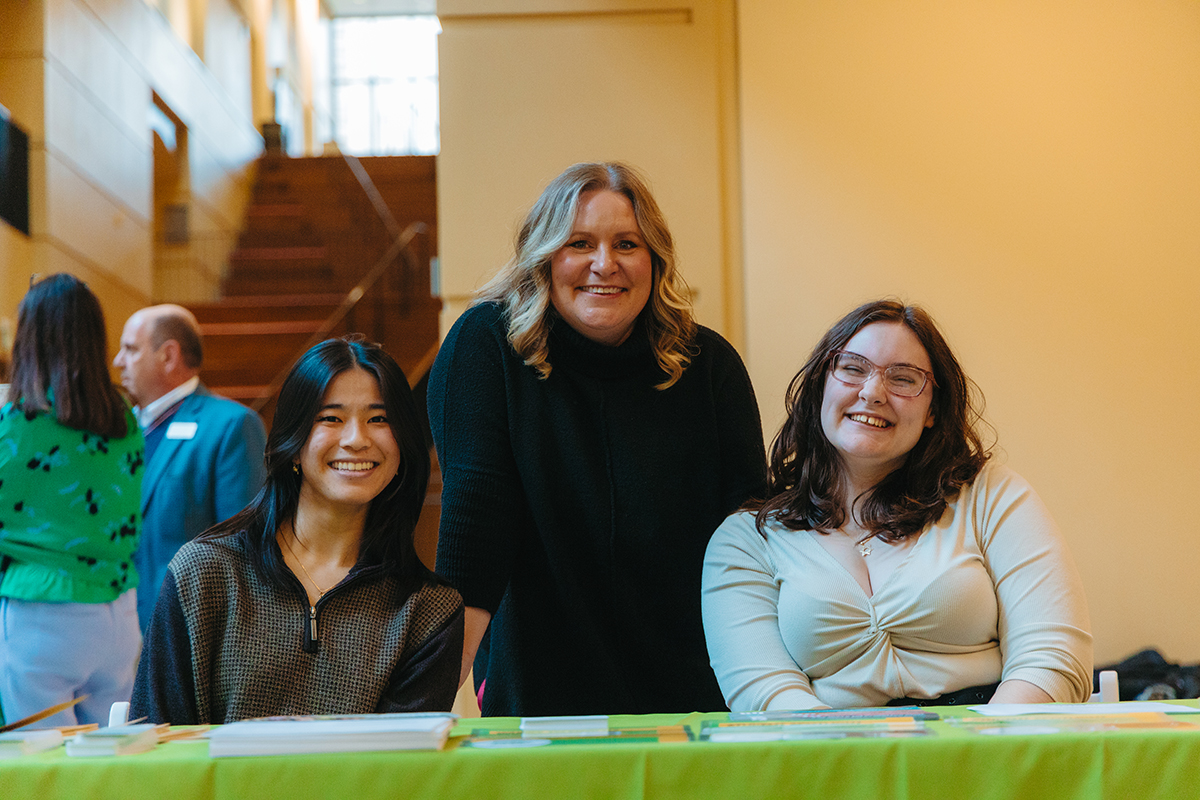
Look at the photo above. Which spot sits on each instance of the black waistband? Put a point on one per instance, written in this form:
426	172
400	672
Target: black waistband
972	695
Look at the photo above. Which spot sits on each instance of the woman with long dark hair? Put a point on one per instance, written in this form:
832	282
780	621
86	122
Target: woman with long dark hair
312	600
891	560
71	458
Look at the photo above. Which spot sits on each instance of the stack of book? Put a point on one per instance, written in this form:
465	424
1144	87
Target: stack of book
331	734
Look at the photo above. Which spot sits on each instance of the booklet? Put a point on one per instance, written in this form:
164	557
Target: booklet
548	733
119	740
22	743
832	728
565	727
347	733
1069	723
1087	709
826	714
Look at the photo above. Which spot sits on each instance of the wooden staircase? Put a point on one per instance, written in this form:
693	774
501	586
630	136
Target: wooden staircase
312	232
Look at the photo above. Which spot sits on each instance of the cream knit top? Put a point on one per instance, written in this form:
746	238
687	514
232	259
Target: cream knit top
989	593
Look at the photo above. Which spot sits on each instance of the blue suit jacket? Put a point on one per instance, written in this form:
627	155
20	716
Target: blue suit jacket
192	484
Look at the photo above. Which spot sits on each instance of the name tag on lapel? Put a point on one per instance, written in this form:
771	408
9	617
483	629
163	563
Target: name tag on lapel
181	430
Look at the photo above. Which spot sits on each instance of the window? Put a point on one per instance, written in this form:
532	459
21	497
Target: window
385	85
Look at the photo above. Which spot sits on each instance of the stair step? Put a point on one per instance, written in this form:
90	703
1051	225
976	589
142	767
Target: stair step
267	300
260	328
254	352
279	253
256	237
243	394
275	210
259	278
308	235
264	282
268	308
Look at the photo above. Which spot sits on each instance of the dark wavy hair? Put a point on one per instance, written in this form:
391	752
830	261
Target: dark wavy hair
805	489
392	517
60	349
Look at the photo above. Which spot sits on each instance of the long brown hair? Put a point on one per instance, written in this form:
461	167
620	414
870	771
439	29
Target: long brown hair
60	350
805	489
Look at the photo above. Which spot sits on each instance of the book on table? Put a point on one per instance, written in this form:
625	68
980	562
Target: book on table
573	727
330	734
22	743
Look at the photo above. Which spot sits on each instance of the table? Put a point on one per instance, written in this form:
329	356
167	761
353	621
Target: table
950	763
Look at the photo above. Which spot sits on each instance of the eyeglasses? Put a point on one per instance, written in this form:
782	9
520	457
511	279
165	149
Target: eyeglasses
899	379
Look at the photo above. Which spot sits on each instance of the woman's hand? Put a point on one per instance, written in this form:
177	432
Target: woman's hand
475	624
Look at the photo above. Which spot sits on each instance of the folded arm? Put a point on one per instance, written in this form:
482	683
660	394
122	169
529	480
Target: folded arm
740	604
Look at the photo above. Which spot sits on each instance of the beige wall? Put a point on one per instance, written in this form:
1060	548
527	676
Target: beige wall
21	80
14	260
529	87
79	75
1030	171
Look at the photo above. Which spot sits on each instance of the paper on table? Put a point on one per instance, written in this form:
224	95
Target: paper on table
597	723
1130	707
331	734
20	743
116	741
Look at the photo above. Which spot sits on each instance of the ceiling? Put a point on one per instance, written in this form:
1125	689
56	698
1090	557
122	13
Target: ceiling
379	8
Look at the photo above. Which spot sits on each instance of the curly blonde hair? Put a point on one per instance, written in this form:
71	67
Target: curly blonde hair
522	287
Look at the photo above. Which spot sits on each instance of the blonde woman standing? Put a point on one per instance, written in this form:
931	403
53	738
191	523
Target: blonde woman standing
591	437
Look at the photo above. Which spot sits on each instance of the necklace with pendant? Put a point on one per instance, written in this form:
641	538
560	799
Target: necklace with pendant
864	548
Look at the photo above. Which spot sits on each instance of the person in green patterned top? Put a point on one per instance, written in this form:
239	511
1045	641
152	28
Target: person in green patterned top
71	459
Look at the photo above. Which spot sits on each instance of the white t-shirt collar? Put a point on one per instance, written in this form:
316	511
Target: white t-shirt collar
155	409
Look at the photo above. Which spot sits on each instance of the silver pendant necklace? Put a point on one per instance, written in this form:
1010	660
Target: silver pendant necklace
864	548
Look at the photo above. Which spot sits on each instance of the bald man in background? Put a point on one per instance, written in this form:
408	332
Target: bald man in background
204	453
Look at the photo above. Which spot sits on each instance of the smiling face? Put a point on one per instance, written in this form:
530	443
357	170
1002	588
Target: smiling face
601	278
351	454
872	429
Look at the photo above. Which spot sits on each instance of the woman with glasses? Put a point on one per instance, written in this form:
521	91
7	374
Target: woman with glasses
891	560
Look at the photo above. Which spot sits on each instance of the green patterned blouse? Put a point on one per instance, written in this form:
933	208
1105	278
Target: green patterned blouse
70	509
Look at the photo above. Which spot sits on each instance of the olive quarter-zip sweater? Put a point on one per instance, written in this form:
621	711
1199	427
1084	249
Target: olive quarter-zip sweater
225	645
577	509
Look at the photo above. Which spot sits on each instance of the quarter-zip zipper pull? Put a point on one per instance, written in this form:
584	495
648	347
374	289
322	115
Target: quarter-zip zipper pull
312	621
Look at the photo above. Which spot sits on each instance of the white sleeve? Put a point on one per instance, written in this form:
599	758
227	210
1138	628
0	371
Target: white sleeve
740	604
1044	629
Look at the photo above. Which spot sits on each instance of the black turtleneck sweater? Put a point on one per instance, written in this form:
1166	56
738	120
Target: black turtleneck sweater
577	509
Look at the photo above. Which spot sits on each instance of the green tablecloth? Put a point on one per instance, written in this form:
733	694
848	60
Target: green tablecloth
950	763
